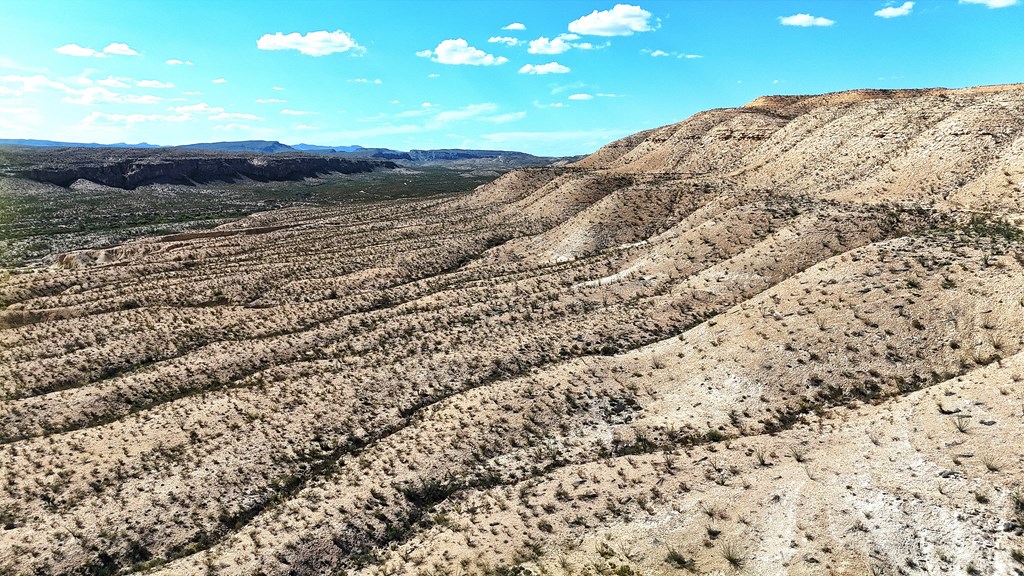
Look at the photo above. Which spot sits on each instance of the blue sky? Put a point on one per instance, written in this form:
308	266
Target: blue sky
546	77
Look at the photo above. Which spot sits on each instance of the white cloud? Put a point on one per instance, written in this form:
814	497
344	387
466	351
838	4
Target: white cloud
97	94
663	54
604	95
366	81
805	20
112	82
545	46
433	75
320	43
33	83
192	93
458	51
991	3
202	107
120	48
549	68
220	81
153	84
234	116
426	105
508	40
270	101
465	113
176	62
305	127
580	97
514	26
116	48
503	118
895	11
104	119
278	88
621	20
289	112
76	50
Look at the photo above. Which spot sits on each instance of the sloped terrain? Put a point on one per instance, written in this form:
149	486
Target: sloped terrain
781	339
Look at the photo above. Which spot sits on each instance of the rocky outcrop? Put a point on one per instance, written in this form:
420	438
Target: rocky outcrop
138	168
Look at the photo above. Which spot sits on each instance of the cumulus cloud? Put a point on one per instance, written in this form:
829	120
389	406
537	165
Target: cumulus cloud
176	62
510	41
220	81
290	112
278	88
270	101
991	3
549	68
76	50
580	97
119	48
115	48
366	81
320	43
621	20
153	84
514	26
895	11
805	20
458	51
561	43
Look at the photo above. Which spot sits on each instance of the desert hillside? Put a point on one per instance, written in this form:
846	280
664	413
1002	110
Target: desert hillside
784	338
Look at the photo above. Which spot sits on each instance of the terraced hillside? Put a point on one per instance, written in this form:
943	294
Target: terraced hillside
779	339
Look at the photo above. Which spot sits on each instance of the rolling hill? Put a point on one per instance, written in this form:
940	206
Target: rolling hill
783	338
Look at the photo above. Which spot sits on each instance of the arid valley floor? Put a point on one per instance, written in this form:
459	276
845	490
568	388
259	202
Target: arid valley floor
778	339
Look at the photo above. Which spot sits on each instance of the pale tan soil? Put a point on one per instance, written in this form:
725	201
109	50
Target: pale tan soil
771	334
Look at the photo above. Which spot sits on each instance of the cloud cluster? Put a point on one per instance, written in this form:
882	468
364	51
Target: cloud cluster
991	3
319	43
549	68
561	43
114	48
514	26
621	20
805	20
895	11
507	40
458	51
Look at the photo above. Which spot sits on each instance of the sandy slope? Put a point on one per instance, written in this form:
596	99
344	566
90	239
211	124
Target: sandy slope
781	339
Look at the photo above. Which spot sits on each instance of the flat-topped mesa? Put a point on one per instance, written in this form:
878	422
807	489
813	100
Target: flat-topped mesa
134	168
794	105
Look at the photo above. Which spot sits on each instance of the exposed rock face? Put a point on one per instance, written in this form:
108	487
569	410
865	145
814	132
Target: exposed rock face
130	169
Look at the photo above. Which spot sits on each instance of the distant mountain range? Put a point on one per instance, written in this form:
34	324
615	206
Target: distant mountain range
447	156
